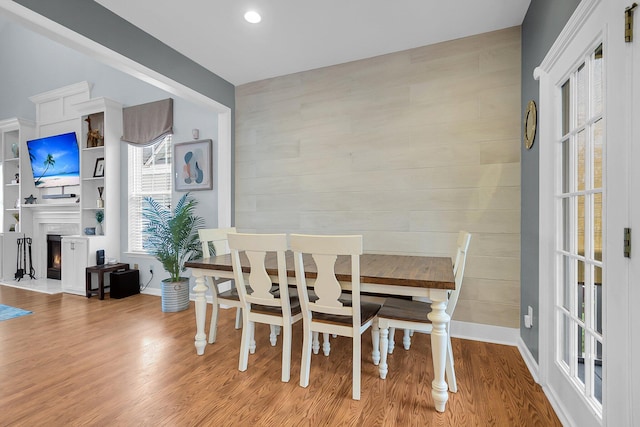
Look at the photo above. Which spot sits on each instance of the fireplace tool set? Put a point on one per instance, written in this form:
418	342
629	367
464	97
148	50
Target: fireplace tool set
21	263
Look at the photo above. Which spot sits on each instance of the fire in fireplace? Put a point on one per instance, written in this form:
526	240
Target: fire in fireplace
54	256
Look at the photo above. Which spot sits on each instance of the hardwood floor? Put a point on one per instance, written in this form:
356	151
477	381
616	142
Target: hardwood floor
78	361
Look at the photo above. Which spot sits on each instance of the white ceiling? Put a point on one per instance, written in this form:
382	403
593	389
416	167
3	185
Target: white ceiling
298	35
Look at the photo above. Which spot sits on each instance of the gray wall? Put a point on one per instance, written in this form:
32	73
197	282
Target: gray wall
106	28
543	23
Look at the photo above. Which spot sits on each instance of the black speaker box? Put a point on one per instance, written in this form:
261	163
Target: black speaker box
100	257
124	283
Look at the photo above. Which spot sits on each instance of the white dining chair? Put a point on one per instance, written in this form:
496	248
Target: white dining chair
412	315
217	237
464	237
329	314
260	304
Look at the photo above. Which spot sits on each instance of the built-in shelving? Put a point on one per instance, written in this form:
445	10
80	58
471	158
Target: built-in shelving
100	166
15	167
13	136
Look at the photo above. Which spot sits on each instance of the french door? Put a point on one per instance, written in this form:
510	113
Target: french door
584	207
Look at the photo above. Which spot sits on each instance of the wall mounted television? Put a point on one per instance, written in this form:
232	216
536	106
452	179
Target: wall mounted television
55	160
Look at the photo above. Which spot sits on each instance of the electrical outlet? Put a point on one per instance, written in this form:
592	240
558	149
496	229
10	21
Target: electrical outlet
135	266
528	318
151	269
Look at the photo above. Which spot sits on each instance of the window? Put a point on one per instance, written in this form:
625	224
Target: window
149	175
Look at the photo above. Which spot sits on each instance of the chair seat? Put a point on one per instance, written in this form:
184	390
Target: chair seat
401	309
268	309
368	311
345	297
232	294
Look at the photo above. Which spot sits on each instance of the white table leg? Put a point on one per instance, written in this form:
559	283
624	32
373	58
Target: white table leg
375	340
200	289
439	319
384	350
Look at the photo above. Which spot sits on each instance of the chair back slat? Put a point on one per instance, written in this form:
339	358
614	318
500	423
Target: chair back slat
324	251
255	247
326	285
259	279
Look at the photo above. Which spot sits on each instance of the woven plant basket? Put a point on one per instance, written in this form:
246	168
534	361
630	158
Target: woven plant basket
175	295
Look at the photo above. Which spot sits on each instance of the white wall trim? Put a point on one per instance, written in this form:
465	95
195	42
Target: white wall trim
568	34
82	88
224	169
559	408
156	292
463	330
485	333
528	359
556	403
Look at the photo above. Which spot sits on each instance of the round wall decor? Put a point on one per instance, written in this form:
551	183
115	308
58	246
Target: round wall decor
530	123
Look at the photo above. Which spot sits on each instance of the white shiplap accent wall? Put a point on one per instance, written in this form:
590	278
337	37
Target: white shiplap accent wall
406	149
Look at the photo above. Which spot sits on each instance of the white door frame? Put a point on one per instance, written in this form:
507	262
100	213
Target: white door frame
634	191
592	20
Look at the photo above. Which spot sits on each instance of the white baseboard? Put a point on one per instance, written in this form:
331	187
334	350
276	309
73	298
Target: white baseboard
485	333
152	291
555	403
528	359
158	293
464	330
558	407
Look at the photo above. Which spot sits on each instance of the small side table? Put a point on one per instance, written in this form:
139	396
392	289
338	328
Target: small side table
100	270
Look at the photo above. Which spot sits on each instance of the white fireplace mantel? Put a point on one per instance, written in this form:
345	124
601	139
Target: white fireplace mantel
62	219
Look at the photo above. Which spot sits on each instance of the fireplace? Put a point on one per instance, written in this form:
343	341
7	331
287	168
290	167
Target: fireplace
54	256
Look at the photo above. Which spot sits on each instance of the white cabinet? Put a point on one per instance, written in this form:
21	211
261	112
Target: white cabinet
75	258
78	253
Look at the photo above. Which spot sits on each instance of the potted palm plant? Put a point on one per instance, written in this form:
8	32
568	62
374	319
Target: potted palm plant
172	237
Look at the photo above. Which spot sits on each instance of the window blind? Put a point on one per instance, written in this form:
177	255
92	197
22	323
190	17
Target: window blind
149	169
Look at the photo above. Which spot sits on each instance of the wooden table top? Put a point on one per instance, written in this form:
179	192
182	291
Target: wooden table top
107	267
399	270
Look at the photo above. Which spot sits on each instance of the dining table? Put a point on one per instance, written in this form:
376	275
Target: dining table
385	274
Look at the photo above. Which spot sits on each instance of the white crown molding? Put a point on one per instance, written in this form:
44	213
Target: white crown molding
81	88
575	23
15	123
94	105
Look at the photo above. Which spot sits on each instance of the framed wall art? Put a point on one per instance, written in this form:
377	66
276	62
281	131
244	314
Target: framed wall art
192	165
98	170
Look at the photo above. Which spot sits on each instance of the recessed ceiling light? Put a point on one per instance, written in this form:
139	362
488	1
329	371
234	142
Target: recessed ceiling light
253	17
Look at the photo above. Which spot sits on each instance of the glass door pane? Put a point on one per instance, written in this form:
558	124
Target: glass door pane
580	231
